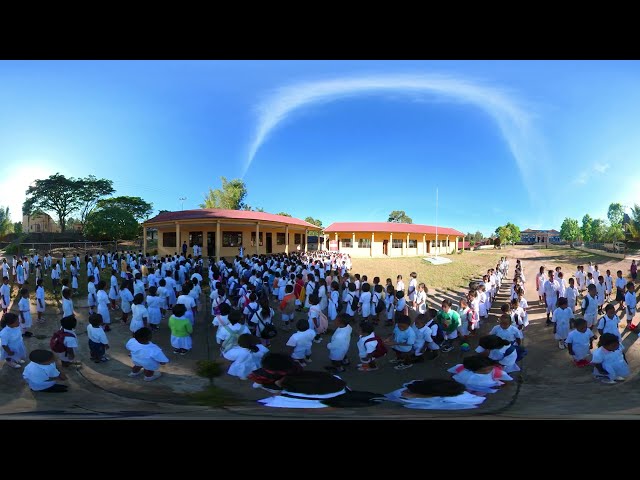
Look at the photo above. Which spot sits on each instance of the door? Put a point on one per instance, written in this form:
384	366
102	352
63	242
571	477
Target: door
211	244
385	246
269	244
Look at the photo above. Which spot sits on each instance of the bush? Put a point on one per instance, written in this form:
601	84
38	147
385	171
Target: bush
209	369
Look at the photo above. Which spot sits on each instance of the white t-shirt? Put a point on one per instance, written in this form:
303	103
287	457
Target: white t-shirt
301	343
97	334
37	376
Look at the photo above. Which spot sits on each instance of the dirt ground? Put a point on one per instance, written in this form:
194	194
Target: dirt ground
549	386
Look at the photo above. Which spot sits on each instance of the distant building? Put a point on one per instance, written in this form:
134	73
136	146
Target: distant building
375	239
533	237
39	224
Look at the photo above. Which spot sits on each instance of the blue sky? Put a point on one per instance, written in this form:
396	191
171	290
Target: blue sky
530	142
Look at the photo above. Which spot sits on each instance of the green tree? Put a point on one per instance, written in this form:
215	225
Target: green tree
57	194
399	216
570	230
111	223
17	228
90	190
231	196
317	222
599	230
5	221
615	232
508	233
634	223
162	211
615	214
504	234
587	228
284	214
136	206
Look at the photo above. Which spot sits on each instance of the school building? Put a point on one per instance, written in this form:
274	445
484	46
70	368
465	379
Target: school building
221	232
379	239
533	237
42	223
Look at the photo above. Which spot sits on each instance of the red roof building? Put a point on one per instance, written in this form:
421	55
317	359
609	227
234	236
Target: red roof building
227	233
374	239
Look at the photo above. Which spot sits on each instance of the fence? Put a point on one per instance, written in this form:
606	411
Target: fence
35	247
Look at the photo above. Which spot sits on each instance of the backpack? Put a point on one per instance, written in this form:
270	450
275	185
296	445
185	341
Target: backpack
232	340
354	303
323	323
380	307
268	330
316	287
381	348
586	304
57	341
219	301
249	316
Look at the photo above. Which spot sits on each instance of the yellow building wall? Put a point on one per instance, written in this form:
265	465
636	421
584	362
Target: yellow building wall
228	252
380	237
46	223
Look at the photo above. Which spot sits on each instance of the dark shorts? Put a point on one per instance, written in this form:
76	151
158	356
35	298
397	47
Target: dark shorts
97	350
619	295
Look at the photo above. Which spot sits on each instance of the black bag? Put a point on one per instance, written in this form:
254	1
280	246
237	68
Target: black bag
268	330
354	303
380	307
586	304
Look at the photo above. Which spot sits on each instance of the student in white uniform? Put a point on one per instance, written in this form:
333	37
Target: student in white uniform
561	319
507	331
571	296
24	306
500	350
609	362
126	299
154	305
630	299
435	394
550	292
13	350
40	301
300	342
601	289
339	344
609	322
413	287
364	304
245	356
479	374
67	303
41	373
97	338
102	299
146	356
608	280
580	342
590	307
139	314
68	356
399	284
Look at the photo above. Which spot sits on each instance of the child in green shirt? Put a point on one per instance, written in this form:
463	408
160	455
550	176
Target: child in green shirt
181	330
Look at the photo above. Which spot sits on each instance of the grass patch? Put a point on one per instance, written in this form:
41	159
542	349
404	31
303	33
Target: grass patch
214	396
464	268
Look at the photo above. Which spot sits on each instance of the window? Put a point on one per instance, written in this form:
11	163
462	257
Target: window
346	243
364	243
231	239
298	238
195	237
253	239
37	227
396	243
448	243
169	239
280	238
413	244
433	244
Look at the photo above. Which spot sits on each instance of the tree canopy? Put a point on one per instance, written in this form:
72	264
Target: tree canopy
89	191
284	214
111	223
587	230
5	221
508	233
317	222
570	230
399	216
615	214
230	196
57	194
136	206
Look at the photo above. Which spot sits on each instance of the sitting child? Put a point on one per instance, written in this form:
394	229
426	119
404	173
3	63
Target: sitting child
435	394
41	374
580	342
610	364
246	356
499	350
479	374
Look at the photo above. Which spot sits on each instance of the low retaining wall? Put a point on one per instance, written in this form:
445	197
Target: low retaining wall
601	252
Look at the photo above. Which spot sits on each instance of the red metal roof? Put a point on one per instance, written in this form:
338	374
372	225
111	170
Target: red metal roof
389	227
215	213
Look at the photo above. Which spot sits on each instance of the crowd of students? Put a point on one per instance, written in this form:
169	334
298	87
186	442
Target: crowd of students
254	298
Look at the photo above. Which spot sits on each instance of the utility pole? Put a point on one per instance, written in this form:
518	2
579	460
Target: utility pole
182	199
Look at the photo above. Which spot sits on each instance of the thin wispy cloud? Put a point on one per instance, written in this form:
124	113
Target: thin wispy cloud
513	120
586	175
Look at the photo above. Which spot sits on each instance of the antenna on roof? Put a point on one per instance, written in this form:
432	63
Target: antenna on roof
182	199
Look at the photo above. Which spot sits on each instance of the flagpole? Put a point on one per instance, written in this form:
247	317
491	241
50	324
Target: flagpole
437	246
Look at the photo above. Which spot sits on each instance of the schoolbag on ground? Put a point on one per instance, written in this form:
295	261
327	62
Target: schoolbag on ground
57	341
354	303
381	348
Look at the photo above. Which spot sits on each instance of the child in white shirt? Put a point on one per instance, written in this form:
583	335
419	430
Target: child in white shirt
68	357
339	344
507	331
300	343
98	342
25	312
479	374
41	373
609	322
145	355
572	295
13	350
561	322
579	342
630	300
609	362
435	394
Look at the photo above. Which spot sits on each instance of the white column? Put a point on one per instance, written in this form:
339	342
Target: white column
390	243
178	242
286	242
258	238
306	240
447	247
144	240
372	241
218	240
424	244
